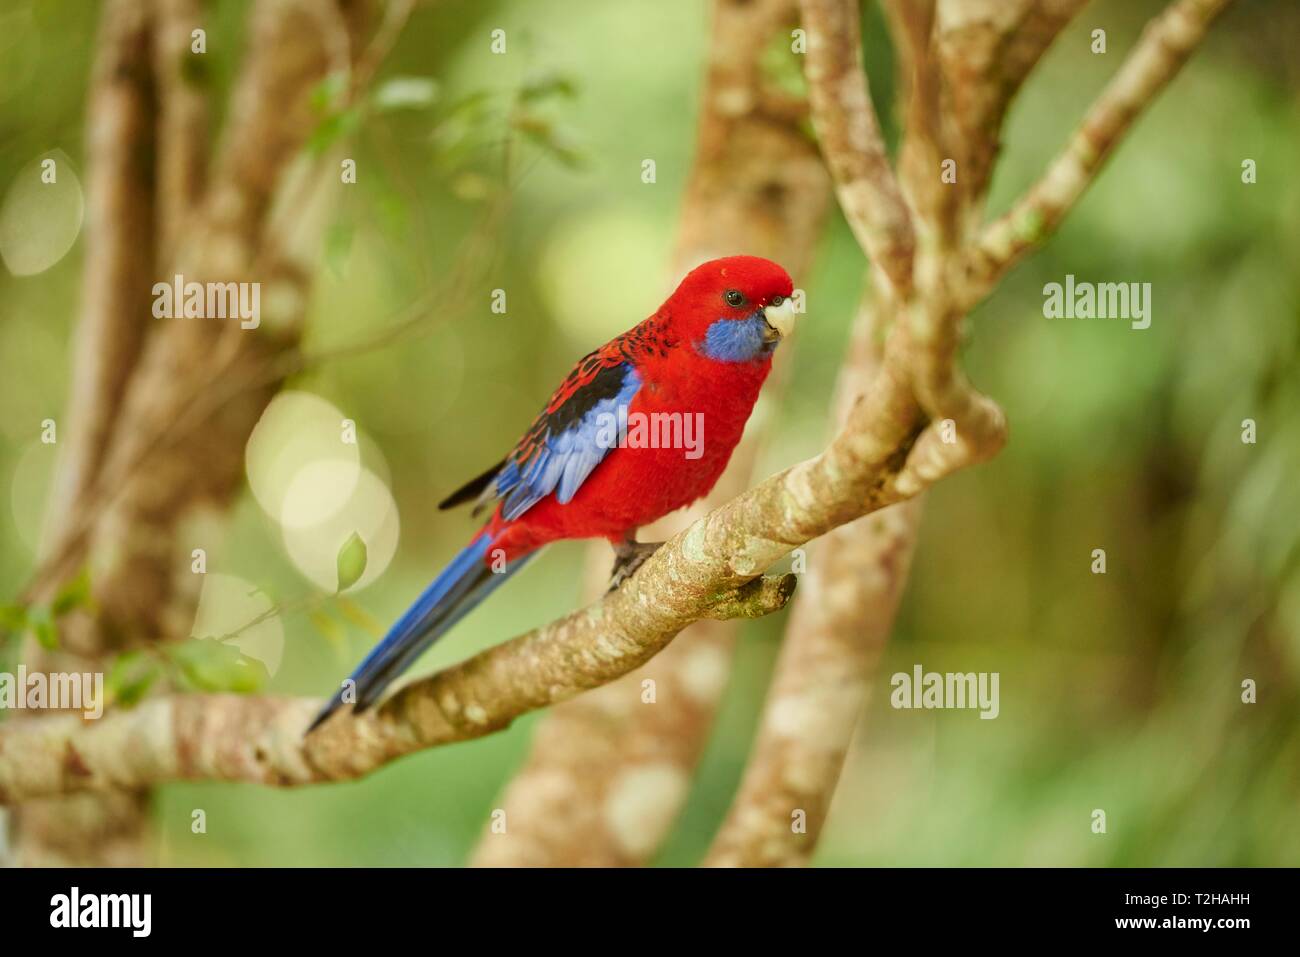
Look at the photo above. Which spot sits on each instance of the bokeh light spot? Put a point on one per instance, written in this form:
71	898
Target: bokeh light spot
39	221
299	467
371	512
601	274
29	487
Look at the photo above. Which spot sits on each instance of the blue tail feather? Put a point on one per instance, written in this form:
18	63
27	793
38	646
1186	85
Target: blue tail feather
465	582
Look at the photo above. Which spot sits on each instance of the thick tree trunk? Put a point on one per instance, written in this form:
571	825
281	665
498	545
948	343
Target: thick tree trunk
156	435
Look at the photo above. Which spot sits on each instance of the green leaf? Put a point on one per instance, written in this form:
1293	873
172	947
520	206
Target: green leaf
74	594
405	93
43	628
332	129
130	678
351	562
328	91
550	138
207	664
547	86
464	131
13	618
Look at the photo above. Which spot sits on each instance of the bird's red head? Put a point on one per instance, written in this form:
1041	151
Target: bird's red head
734	309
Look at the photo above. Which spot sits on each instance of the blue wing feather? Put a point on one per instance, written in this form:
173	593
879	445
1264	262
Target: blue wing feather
529	472
560	459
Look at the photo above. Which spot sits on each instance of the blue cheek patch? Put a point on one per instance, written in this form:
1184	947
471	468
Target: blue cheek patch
735	340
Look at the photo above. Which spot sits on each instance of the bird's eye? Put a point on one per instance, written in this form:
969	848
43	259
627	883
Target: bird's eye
734	297
777	300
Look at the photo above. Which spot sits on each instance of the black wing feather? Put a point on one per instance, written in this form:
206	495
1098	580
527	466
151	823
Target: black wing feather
471	489
598	377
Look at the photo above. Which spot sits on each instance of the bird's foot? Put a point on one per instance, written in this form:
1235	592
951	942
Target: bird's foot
628	557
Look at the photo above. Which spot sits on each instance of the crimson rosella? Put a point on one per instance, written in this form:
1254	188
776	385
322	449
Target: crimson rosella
639	428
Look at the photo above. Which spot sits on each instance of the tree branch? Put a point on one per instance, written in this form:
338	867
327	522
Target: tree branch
927	139
836	632
183	119
155	490
855	581
1164	47
986	51
119	224
130	511
109	340
260	739
850	139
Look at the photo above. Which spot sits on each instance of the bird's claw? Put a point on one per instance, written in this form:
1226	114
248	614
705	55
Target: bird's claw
628	557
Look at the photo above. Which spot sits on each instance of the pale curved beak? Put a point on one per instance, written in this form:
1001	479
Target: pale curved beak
780	319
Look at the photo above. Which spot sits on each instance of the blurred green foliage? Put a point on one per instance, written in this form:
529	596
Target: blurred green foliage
1119	691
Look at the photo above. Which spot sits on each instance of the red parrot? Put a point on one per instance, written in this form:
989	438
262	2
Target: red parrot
639	428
